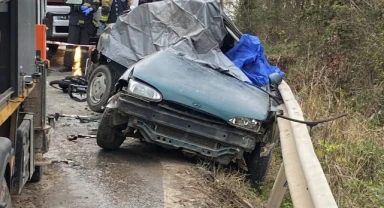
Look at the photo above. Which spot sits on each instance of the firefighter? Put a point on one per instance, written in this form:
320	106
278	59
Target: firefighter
111	9
81	27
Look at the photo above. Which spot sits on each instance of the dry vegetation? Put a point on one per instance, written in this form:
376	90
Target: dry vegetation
332	51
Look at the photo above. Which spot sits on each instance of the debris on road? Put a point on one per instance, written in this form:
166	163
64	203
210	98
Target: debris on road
67	161
92	131
71	137
88	119
74	137
64	84
83	119
75	86
78	92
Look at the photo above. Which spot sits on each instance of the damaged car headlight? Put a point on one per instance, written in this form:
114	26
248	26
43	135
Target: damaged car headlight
112	102
245	123
143	91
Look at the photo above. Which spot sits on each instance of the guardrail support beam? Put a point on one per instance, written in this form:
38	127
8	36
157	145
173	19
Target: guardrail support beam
278	190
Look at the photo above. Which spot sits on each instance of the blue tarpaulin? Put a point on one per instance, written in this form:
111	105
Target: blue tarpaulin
248	55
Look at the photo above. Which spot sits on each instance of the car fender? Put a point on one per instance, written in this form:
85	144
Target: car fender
6	153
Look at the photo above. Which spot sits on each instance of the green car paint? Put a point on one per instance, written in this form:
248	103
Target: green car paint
194	85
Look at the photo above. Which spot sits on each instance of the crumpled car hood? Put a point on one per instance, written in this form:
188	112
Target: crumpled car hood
194	85
194	28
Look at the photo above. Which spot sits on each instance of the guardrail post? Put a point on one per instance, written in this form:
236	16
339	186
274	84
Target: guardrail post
278	190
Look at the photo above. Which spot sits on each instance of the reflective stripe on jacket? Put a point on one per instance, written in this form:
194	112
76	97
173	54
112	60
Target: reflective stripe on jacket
111	9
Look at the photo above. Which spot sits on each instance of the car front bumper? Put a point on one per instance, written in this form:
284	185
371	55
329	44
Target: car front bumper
217	141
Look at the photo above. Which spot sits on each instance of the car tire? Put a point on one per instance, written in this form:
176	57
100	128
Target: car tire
109	136
258	166
38	174
91	68
5	195
100	88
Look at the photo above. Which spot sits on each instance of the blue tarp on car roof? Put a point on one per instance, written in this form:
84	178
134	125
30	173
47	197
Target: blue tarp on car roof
248	55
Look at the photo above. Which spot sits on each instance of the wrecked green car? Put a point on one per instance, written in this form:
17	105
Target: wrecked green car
189	96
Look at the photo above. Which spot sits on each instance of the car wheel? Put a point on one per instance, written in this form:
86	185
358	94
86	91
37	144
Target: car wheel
109	136
258	166
90	69
100	88
5	195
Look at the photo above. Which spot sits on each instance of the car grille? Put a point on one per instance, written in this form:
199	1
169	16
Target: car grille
186	137
186	111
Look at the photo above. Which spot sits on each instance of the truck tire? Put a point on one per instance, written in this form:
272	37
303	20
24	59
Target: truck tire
109	136
258	166
38	174
100	88
5	195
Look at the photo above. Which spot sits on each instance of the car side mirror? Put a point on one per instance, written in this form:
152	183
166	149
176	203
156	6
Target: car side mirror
275	79
75	2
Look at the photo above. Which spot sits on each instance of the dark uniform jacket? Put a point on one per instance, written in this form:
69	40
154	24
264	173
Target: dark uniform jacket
111	9
77	17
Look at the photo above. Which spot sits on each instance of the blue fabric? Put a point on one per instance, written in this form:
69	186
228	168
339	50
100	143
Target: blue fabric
248	55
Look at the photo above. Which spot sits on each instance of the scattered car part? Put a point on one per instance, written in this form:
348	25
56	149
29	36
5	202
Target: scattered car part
78	92
75	137
312	124
63	84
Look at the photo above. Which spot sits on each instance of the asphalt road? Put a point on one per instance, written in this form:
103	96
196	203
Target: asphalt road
83	175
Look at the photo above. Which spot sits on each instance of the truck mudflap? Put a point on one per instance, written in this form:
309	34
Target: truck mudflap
24	151
6	153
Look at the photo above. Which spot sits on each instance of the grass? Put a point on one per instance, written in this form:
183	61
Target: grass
350	150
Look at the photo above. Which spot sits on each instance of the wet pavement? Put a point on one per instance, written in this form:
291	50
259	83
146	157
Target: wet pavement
83	175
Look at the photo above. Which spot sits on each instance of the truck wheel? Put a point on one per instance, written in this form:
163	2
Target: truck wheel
5	195
258	166
100	88
38	174
109	136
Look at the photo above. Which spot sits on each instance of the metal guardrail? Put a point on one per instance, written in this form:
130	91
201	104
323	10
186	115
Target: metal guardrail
301	169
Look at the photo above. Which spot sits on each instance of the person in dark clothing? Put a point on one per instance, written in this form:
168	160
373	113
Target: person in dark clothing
110	10
81	27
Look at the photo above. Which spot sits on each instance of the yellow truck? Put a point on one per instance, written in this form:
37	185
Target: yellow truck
24	127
